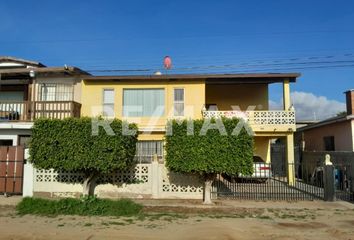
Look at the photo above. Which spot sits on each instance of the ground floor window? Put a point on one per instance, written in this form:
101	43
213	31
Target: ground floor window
145	151
6	142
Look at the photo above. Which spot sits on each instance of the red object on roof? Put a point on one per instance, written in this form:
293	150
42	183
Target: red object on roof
167	62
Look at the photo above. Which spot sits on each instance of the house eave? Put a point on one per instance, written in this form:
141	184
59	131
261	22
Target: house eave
327	122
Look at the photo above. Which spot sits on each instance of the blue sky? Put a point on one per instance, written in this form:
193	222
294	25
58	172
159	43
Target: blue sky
138	34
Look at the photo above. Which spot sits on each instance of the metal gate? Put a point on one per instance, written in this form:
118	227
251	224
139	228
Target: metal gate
270	182
11	169
343	181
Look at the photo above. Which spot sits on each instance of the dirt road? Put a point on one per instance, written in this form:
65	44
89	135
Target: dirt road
304	221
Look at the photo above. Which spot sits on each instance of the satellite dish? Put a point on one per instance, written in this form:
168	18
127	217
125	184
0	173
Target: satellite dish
167	62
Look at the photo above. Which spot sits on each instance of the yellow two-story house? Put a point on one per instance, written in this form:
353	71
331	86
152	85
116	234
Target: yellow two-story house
151	100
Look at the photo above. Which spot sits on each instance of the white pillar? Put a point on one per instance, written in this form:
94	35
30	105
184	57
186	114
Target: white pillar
27	180
155	177
28	177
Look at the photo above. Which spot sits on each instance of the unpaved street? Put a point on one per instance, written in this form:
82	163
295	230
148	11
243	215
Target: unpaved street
244	220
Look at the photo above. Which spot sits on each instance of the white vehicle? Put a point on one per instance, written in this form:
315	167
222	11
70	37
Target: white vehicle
261	172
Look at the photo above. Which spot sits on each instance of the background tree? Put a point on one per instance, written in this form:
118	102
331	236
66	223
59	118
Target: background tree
210	154
69	145
342	113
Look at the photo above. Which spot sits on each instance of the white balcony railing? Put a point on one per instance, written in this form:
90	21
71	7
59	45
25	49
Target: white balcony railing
257	117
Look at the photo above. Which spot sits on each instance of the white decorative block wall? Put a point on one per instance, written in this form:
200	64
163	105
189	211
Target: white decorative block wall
143	181
177	185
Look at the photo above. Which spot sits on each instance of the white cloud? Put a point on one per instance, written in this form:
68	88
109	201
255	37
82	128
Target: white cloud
273	105
311	107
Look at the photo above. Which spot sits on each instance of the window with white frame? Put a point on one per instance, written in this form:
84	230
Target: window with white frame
178	101
143	102
55	92
108	102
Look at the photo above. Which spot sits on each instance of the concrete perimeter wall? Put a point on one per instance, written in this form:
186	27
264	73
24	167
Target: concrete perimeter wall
144	181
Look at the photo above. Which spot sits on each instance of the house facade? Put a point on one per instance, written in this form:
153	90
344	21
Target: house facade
333	134
30	90
150	101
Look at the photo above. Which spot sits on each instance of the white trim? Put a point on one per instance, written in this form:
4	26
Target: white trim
152	129
19	125
14	138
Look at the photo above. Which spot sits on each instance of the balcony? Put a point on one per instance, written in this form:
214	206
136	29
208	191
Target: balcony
31	110
274	121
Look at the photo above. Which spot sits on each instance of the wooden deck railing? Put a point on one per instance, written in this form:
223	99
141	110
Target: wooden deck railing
31	110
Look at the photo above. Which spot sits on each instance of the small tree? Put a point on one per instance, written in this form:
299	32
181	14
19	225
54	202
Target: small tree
210	154
342	113
69	145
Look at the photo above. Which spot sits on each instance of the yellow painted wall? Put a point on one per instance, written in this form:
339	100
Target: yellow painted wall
92	97
196	95
262	148
243	95
153	136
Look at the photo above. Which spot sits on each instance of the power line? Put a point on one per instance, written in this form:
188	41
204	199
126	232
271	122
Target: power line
256	62
241	71
295	65
218	59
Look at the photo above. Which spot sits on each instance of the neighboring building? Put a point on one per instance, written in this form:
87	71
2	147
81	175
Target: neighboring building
300	124
151	100
29	90
333	134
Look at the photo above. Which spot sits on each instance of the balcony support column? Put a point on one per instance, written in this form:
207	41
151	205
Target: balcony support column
290	159
286	95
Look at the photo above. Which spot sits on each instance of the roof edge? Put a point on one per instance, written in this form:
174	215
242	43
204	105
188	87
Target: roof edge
67	69
21	60
291	76
327	122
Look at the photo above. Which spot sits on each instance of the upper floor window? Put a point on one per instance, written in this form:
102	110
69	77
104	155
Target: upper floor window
143	102
108	102
178	102
56	92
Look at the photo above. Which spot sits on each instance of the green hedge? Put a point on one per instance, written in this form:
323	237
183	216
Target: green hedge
69	145
86	206
212	153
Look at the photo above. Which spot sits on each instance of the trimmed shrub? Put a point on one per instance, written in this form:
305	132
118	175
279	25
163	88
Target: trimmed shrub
69	145
209	154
